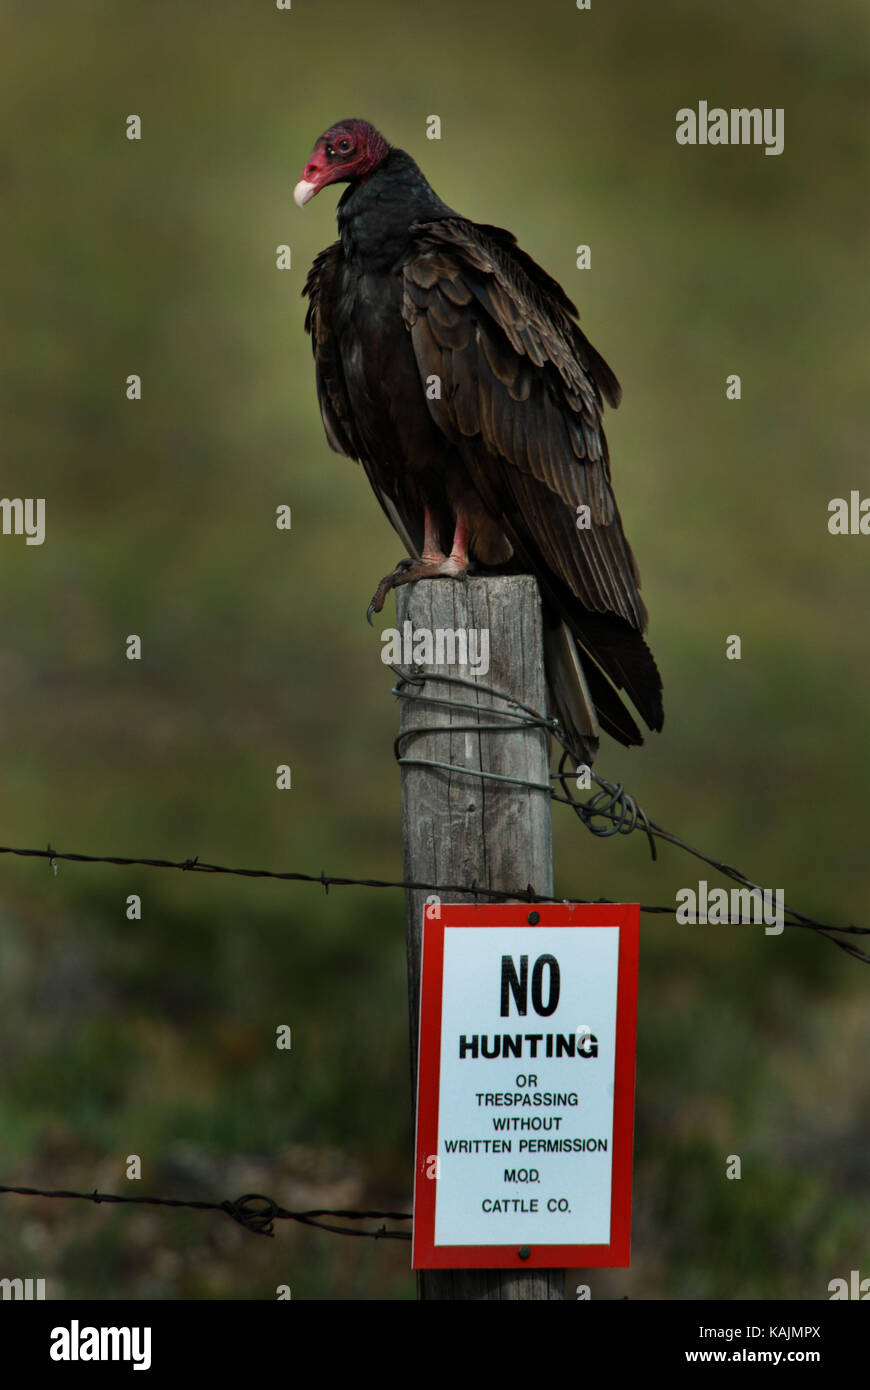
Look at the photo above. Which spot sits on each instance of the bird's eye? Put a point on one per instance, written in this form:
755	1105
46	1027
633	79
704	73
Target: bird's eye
344	144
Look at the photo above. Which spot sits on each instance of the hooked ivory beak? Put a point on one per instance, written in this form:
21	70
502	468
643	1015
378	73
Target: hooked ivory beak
303	191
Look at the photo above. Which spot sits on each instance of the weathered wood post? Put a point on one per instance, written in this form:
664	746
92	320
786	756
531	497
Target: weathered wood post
459	829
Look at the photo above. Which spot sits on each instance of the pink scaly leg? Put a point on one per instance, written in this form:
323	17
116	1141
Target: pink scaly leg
433	563
432	552
457	561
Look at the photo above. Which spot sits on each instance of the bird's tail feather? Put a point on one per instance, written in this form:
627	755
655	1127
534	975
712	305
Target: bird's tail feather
622	655
570	698
583	698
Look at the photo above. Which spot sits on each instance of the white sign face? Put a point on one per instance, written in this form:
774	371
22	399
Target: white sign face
526	1099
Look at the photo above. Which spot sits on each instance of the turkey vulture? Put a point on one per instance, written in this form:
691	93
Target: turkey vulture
452	367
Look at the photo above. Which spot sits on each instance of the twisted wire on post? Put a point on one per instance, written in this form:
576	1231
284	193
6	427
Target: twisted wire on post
612	802
519	717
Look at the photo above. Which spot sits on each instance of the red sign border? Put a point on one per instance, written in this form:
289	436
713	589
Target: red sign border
615	1255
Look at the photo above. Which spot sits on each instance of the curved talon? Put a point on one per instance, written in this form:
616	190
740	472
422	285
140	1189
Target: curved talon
388	582
409	571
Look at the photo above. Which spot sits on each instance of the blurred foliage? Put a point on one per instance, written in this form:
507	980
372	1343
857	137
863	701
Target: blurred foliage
158	257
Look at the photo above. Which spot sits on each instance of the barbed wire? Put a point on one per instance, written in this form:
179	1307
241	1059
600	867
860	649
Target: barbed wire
518	894
258	1220
611	810
611	804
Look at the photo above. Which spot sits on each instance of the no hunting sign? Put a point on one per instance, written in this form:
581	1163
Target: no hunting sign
525	1093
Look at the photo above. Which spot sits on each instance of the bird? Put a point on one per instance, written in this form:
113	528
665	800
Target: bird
453	368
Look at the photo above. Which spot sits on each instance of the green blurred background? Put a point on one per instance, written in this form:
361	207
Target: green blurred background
158	257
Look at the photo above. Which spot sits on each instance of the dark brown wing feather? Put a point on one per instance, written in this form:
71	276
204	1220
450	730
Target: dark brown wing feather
324	287
521	398
332	393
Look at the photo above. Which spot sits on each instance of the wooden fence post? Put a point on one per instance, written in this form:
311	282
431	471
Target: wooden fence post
459	829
